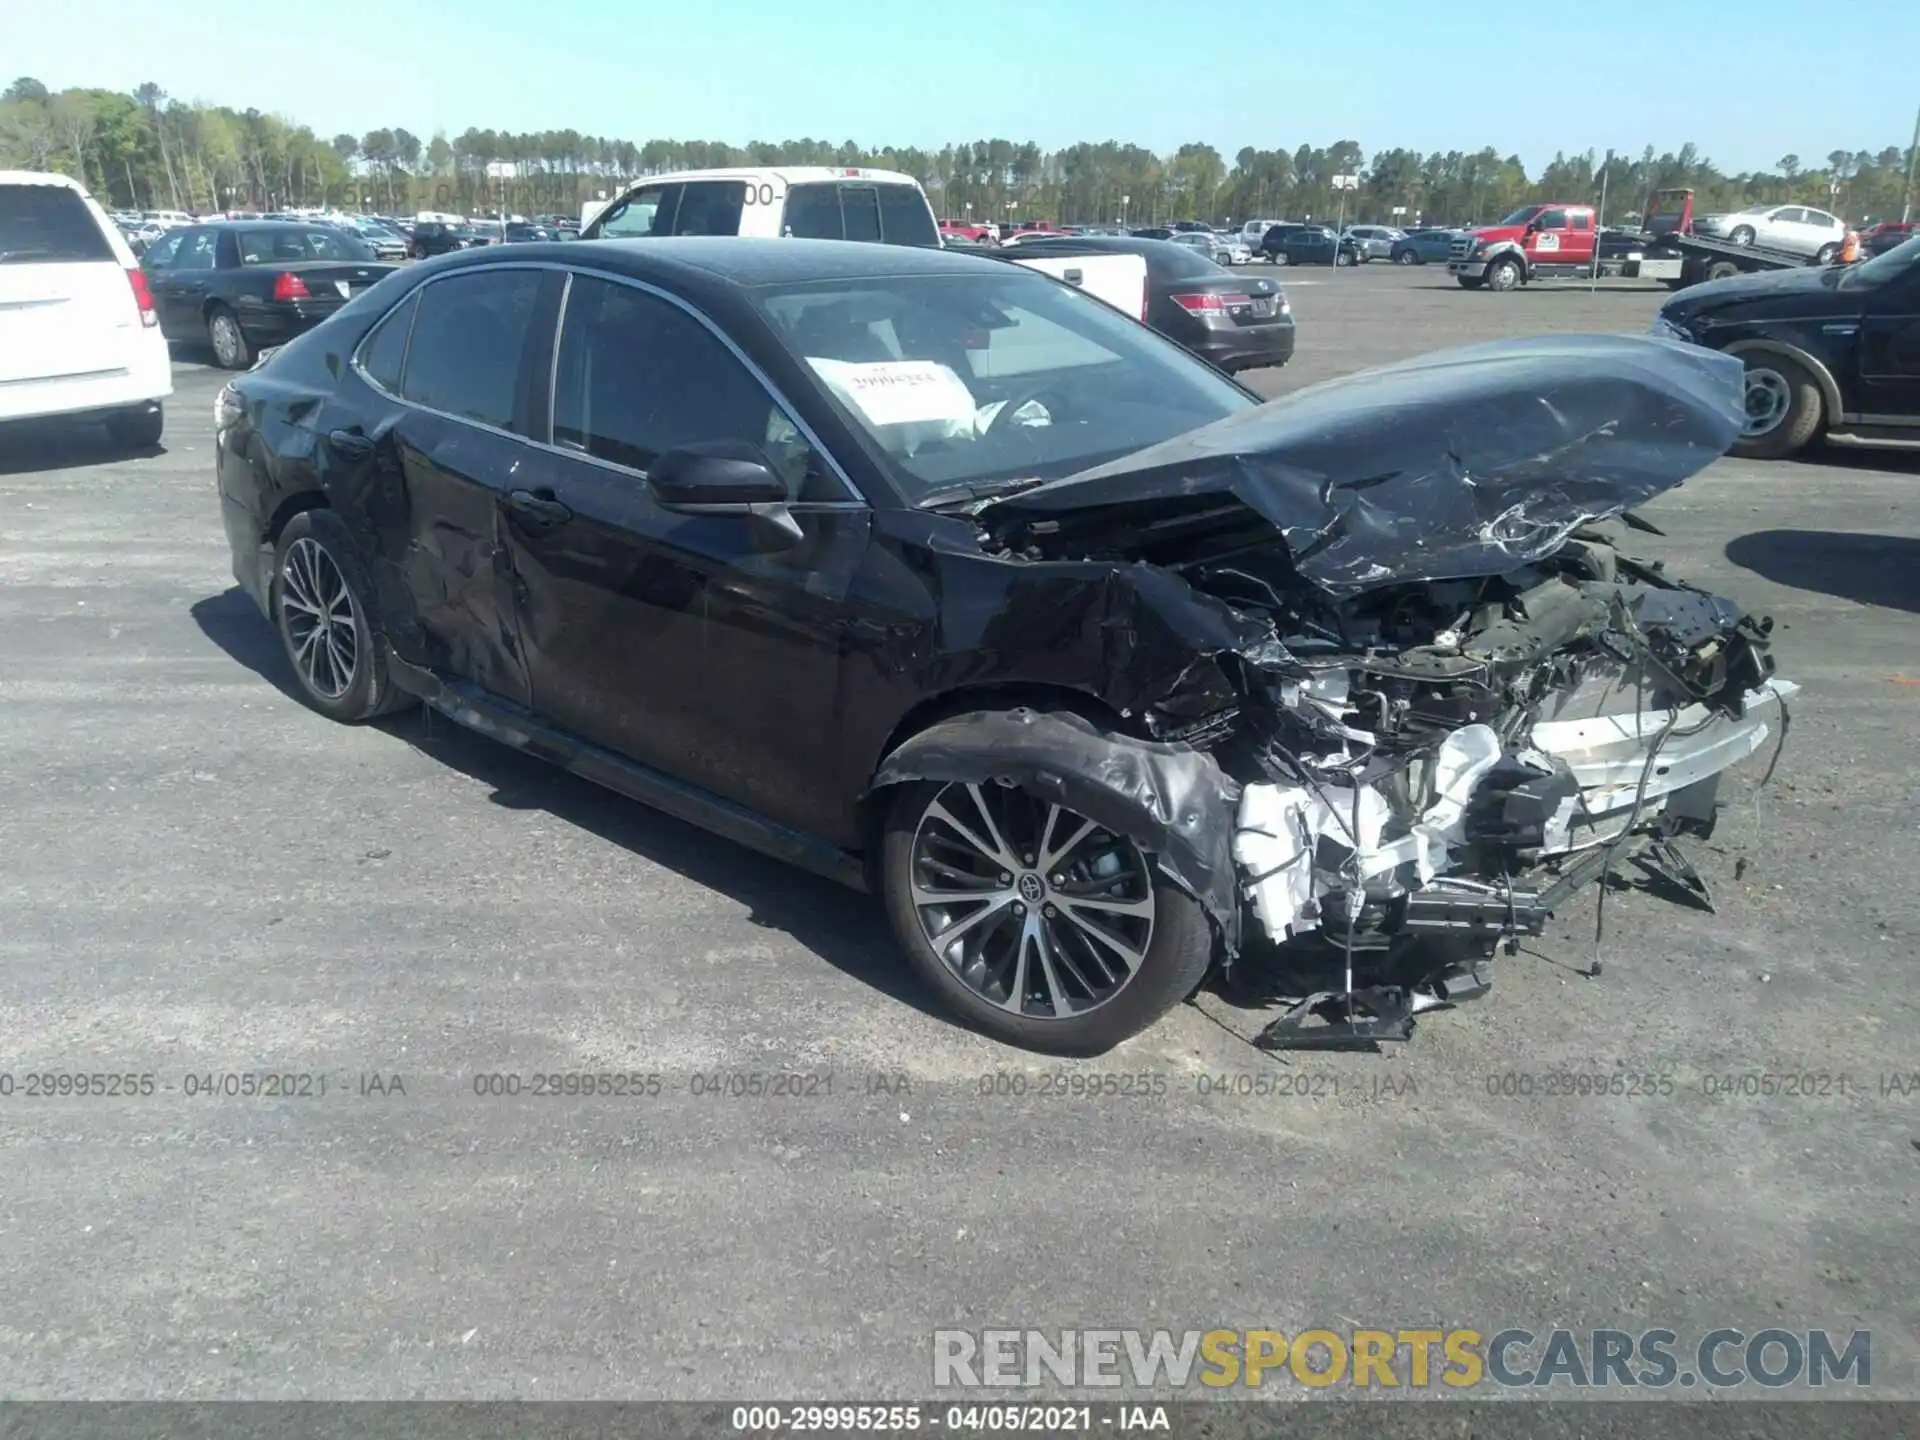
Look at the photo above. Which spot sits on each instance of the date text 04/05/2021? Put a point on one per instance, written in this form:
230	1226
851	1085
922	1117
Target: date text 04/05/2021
961	1419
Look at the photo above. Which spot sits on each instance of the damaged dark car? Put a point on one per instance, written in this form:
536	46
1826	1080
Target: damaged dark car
942	579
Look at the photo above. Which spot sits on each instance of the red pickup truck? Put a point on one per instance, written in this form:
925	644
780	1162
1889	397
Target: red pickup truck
1534	242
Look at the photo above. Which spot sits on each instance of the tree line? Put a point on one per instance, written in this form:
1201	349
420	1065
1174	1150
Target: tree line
148	150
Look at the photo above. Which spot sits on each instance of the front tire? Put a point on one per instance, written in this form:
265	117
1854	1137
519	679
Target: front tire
1504	275
1406	257
1341	257
319	601
1032	924
1742	235
1826	255
137	429
230	348
1784	409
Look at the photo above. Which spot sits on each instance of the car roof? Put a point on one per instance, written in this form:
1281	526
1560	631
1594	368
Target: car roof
738	259
792	174
41	177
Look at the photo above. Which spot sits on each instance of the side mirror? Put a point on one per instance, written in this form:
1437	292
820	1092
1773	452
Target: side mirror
727	477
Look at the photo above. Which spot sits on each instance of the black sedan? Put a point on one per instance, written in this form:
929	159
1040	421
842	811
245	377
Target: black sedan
936	576
1831	350
1226	318
1310	245
242	285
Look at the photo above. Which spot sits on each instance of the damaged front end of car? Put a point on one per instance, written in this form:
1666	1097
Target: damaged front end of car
1452	702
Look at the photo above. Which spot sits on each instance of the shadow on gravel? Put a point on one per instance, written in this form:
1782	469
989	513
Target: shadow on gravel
845	929
1881	570
28	447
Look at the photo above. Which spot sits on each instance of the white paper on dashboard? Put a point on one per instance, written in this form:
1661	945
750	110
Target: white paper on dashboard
901	392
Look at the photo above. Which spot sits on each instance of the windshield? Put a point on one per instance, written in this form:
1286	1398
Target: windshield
292	244
1888	265
965	381
1522	215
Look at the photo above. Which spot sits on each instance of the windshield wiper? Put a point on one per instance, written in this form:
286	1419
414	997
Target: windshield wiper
979	490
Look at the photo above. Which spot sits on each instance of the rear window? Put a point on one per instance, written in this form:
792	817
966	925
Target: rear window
290	245
893	214
48	224
1173	261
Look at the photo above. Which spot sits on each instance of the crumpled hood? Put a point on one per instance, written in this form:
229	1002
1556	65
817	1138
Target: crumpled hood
1471	461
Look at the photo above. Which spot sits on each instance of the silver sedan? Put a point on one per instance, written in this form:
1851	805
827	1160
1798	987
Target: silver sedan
1797	229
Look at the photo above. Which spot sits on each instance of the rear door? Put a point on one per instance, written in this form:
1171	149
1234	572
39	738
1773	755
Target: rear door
448	456
66	305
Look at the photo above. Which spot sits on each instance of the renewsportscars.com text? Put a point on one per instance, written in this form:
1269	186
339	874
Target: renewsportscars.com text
1457	1358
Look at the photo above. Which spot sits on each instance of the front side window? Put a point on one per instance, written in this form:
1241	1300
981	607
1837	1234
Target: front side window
963	380
648	211
468	334
200	250
161	253
1552	220
636	376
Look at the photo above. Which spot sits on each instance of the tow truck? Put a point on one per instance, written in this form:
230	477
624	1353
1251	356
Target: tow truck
1564	242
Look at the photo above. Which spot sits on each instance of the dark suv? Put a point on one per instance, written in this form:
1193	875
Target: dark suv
1310	245
436	237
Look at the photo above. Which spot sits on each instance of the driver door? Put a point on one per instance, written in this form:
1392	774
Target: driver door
684	641
1548	242
1890	352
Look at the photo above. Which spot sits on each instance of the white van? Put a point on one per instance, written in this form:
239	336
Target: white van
79	335
807	201
821	203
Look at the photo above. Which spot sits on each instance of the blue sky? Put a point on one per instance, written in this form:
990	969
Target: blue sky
1765	78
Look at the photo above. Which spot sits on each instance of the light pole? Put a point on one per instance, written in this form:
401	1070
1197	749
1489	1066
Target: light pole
1342	183
1125	200
1913	154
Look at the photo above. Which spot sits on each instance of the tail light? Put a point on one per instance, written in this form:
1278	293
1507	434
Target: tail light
1146	294
1206	302
290	287
143	296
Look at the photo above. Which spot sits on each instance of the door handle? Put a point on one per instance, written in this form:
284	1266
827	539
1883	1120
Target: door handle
350	444
540	509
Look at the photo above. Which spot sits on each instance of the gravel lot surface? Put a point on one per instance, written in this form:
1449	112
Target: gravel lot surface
201	876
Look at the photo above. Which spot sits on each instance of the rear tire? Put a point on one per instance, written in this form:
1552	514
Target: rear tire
1722	270
1742	235
1177	948
231	351
1792	401
319	599
1826	255
137	429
